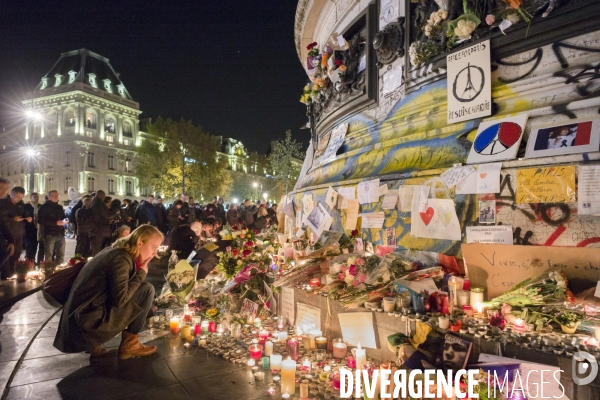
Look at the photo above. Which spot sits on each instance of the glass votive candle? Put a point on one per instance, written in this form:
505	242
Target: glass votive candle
204	326
255	351
444	322
320	354
259	376
236	330
265	363
251	363
271	389
351	360
335	378
275	362
174	325
315	282
280	323
340	348
257	322
389	304
263	336
468	310
293	348
212	326
250	320
321	343
306	364
282	336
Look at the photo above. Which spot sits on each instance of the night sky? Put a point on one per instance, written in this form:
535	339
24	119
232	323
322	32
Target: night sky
230	66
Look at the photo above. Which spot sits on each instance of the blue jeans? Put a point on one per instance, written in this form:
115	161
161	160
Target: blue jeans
54	246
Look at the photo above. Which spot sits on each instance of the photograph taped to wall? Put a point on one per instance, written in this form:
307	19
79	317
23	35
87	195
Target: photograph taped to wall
487	212
565	137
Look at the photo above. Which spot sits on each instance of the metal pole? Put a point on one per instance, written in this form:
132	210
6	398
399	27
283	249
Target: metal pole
182	172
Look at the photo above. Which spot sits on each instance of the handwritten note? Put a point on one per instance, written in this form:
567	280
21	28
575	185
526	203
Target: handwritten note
488	178
500	234
287	304
338	135
439	221
344	194
308	316
420	199
373	220
454	175
331	197
390	200
368	192
492	266
546	185
383	189
588	190
405	197
351	214
467	185
357	327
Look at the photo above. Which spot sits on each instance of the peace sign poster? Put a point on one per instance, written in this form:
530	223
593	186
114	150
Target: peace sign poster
469	83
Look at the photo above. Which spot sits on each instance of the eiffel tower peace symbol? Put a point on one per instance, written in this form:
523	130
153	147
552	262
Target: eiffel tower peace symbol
468	83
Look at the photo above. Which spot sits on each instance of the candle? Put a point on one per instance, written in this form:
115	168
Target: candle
468	310
306	342
251	363
519	325
321	342
187	315
212	326
174	325
479	308
265	363
293	348
280	323
202	341
476	295
236	330
351	361
306	364
597	331
271	389
259	376
250	319
340	348
463	297
282	336
275	361
444	322
288	376
268	348
454	284
313	335
186	332
204	326
257	322
389	304
361	356
255	351
304	390
336	380
315	282
197	329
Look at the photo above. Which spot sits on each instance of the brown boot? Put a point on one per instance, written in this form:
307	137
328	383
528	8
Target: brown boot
131	347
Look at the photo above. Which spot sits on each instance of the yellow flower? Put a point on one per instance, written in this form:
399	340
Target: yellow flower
464	29
211	312
342	68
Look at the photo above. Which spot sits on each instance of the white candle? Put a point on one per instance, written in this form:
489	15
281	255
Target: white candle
479	308
360	355
251	362
444	322
597	331
275	362
288	376
268	348
282	336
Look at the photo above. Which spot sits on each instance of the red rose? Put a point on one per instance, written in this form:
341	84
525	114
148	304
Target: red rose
235	227
235	252
246	253
71	262
338	62
250	243
256	232
354	233
310	46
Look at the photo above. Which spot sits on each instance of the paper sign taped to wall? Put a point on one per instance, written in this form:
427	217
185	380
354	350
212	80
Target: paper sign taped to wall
357	327
373	220
499	234
308	317
344	194
351	214
368	192
546	185
287	304
499	269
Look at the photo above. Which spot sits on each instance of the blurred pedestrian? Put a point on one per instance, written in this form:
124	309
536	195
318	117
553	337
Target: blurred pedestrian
102	216
51	216
85	225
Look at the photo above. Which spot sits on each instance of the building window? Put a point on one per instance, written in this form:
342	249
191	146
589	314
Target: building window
89	134
70	118
68	161
109	125
110	138
128	188
121	89
107	85
91	184
127	131
111	162
111	186
67	184
90	120
127	142
91	159
128	165
50	184
92	80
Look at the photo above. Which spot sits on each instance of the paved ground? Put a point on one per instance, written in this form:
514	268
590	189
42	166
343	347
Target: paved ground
31	368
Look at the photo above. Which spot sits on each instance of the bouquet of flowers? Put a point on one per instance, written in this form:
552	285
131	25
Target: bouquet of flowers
550	287
212	314
77	258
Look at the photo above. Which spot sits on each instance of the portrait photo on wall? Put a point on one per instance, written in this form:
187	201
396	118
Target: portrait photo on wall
566	137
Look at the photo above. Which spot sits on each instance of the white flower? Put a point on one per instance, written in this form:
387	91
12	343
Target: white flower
349	279
464	29
513	17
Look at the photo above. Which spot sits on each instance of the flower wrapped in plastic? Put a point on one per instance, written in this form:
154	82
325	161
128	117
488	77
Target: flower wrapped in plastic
547	288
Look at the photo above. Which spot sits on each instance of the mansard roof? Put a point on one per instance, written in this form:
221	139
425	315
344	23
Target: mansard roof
87	67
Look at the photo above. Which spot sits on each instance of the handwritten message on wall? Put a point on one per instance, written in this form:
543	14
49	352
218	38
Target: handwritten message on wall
546	185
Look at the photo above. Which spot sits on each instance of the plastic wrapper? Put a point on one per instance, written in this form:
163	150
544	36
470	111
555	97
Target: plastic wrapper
181	280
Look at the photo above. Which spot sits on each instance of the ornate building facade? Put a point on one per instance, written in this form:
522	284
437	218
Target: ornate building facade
81	131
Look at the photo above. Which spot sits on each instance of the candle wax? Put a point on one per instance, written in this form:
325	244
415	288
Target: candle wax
288	376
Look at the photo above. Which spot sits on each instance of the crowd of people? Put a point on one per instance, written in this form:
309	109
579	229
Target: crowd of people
97	221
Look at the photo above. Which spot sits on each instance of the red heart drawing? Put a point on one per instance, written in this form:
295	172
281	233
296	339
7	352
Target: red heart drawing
483	175
427	215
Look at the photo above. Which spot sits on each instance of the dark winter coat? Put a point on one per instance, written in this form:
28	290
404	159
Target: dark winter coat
261	223
85	221
161	217
183	240
102	216
14	210
100	306
49	214
233	217
146	214
173	217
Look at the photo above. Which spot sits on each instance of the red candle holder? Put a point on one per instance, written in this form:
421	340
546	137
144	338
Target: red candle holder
315	282
255	351
293	348
212	326
351	361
